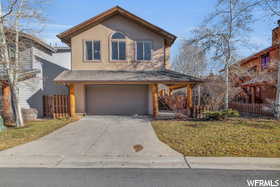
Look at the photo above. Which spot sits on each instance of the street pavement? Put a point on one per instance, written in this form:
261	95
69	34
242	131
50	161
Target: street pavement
59	177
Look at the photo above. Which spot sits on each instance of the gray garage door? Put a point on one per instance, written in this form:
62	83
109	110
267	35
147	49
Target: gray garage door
117	99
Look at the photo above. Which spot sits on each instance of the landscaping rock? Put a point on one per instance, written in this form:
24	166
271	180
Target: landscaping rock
29	114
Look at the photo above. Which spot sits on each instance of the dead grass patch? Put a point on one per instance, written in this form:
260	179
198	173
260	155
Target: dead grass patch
32	131
235	137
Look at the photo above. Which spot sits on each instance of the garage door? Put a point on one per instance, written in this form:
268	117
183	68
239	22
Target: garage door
117	99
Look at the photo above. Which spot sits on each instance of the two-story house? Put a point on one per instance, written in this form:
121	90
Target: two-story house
40	63
259	83
117	62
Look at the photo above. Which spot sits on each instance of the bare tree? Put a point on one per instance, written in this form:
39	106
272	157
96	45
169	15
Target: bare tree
272	6
21	15
223	31
191	60
212	91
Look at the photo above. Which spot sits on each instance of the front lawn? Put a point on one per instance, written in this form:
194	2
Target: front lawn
33	130
235	138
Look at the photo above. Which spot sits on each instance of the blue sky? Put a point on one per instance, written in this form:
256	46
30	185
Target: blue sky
177	17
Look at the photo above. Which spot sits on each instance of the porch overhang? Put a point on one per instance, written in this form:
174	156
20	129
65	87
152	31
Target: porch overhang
152	78
166	77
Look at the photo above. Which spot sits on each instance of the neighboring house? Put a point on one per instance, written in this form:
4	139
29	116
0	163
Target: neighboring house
117	62
41	63
259	84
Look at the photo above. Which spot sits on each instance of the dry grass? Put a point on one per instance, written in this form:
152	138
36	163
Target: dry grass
235	137
33	130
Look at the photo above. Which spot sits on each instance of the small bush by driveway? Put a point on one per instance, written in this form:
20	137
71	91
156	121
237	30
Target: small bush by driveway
236	137
33	130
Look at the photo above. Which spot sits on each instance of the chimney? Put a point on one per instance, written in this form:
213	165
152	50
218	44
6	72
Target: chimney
276	34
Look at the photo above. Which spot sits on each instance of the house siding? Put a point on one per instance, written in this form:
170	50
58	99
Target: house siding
31	91
25	58
49	65
266	89
26	89
133	32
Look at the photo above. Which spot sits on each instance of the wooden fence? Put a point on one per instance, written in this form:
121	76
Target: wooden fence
255	109
178	104
198	111
56	106
1	105
174	102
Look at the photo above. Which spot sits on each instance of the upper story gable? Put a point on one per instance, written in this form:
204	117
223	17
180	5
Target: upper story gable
30	48
265	60
118	40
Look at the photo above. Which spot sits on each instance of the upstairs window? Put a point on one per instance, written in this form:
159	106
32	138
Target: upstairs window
92	50
144	50
265	59
118	46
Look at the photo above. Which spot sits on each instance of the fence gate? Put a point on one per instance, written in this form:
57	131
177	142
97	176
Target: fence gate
56	106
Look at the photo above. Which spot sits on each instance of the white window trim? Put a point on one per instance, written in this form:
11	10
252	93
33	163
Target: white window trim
85	51
144	41
111	48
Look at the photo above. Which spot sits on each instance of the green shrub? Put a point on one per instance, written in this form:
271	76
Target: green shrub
214	115
231	113
221	115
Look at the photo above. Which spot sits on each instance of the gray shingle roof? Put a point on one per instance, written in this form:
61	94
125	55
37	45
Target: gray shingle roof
124	76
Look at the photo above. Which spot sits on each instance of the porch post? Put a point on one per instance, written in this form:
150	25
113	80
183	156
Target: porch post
6	93
72	100
155	100
170	91
253	94
189	96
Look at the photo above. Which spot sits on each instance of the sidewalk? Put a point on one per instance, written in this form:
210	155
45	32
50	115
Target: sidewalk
56	161
240	163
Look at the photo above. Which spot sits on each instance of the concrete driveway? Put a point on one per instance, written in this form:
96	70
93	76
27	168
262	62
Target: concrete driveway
96	141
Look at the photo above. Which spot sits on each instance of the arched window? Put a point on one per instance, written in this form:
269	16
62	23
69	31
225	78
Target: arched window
118	46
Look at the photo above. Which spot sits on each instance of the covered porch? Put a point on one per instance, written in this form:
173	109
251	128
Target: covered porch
261	89
121	92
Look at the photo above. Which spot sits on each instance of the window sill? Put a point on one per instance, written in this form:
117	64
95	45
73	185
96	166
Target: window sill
118	61
142	61
92	61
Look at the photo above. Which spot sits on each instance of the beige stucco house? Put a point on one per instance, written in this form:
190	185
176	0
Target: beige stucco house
117	62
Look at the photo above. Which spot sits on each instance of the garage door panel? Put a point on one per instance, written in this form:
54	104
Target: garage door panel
117	99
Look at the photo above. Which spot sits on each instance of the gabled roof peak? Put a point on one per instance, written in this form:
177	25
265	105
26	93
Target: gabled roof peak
117	10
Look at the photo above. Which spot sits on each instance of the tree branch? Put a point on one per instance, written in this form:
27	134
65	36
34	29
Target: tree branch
11	8
271	8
